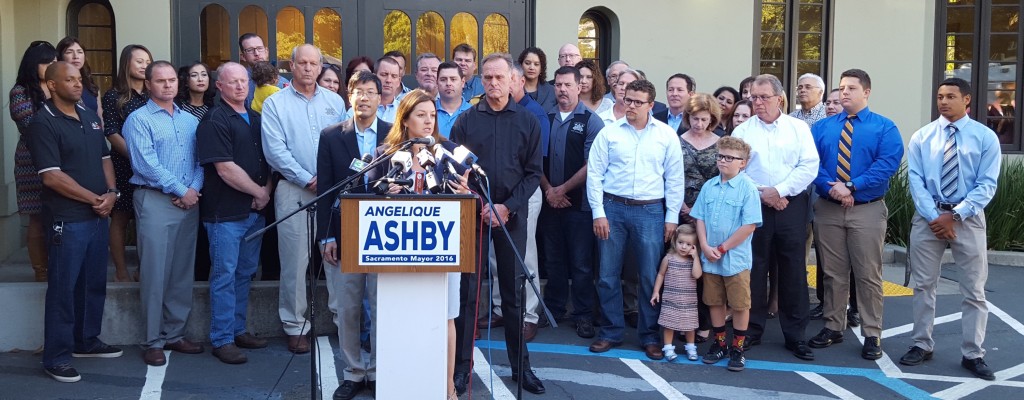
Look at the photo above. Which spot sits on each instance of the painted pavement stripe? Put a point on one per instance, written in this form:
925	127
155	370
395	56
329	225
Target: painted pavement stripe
899	330
973	386
654	379
482	369
829	386
155	379
326	369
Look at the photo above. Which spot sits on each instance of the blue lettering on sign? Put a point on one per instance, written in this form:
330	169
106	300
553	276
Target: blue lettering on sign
423	235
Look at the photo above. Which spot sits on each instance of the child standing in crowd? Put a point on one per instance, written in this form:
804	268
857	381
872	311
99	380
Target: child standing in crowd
678	273
727	211
265	75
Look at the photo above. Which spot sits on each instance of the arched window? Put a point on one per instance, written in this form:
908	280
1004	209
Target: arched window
92	22
398	33
291	32
253	19
327	32
430	34
594	39
464	30
214	44
495	35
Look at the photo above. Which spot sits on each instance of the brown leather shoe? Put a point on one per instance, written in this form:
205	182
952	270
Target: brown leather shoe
298	344
529	331
184	346
230	354
154	356
496	321
653	351
248	341
602	345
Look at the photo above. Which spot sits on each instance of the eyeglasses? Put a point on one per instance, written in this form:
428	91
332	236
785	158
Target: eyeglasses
762	98
632	102
362	93
254	50
727	158
567	56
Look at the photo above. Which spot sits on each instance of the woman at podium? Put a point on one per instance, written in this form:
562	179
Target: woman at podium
413	171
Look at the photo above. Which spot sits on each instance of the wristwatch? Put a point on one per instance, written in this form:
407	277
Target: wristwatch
849	185
957	217
117	193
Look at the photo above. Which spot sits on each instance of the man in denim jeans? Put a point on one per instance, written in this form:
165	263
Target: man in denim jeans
236	191
70	153
635	188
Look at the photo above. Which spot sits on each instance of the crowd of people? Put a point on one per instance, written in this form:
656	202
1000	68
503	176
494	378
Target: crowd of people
679	218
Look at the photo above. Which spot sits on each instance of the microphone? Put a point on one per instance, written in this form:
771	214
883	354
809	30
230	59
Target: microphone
465	157
401	161
428	162
429	141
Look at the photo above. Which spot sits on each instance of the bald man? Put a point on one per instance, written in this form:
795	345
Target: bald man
292	121
568	56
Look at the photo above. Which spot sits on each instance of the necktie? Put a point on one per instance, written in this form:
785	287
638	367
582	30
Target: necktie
845	145
950	164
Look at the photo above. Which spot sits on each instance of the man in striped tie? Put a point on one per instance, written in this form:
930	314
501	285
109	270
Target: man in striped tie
859	151
951	189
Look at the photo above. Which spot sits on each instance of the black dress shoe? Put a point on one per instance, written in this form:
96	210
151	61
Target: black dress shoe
853	318
461	380
531	383
348	390
872	348
585	328
817	312
800	350
915	356
751	341
825	338
978	367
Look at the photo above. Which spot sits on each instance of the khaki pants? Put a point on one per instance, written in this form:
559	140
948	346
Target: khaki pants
293	245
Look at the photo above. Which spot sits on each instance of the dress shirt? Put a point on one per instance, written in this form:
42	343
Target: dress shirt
608	116
874	158
446	120
291	130
812	116
367	138
162	147
724	208
538	111
978	155
387	112
782	153
638	165
674	120
474	87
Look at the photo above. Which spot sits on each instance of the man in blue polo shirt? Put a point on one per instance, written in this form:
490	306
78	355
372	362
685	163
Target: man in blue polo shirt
450	103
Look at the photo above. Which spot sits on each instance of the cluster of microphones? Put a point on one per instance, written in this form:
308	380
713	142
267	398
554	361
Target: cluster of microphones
441	167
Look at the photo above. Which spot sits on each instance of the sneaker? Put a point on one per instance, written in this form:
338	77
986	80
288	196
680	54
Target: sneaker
736	360
670	352
64	373
715	353
691	352
103	350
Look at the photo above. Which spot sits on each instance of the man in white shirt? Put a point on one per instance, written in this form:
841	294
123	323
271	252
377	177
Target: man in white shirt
783	162
635	189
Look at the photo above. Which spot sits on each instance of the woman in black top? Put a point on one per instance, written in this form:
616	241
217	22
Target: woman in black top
195	89
128	95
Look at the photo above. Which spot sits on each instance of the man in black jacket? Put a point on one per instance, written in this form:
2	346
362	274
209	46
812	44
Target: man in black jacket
340	145
506	138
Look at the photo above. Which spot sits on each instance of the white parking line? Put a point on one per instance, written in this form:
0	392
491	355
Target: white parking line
828	385
325	367
155	379
899	330
482	369
659	383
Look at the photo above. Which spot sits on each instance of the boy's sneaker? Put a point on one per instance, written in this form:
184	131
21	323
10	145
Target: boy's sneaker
102	350
736	360
691	352
64	373
715	353
670	352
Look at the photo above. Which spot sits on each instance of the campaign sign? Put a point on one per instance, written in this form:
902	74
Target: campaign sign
409	233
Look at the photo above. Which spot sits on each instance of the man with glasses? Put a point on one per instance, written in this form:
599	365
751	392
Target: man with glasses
783	163
611	76
252	50
568	56
635	187
809	91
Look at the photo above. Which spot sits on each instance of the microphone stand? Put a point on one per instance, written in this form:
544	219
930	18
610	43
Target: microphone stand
310	208
524	277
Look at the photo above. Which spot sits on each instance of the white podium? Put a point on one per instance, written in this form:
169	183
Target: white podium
411	242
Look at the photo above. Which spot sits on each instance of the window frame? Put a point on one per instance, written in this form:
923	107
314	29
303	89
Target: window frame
979	76
603	27
791	34
72	27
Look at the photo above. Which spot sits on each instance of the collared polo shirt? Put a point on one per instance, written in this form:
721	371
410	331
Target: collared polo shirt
225	136
570	144
446	120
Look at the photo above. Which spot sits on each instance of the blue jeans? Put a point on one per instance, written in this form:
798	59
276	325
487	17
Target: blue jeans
642	228
76	288
568	248
234	263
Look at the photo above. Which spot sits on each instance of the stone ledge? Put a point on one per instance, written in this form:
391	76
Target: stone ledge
122	314
898	254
